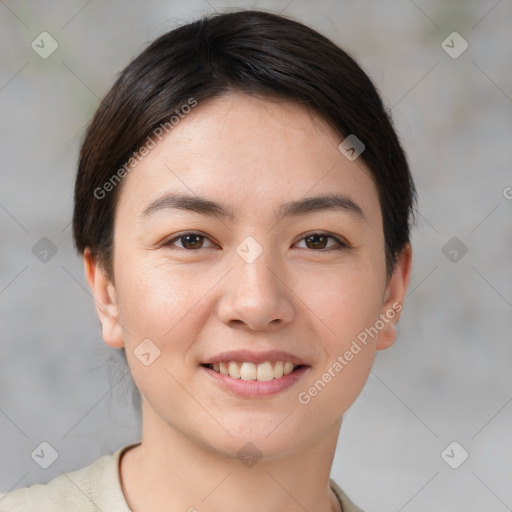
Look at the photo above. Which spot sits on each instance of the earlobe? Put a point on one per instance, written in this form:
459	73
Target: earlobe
105	297
394	296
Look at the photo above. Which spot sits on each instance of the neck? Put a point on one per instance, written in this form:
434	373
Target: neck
169	471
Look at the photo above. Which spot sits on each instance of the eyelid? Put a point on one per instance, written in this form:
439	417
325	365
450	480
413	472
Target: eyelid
168	241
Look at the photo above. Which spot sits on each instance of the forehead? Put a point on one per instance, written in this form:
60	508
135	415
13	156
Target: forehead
249	152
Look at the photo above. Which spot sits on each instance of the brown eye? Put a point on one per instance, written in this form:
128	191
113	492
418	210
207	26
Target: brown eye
192	241
318	241
189	241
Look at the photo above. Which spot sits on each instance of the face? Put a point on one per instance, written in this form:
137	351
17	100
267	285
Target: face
276	255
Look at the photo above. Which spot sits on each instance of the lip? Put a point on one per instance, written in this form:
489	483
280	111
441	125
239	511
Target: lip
255	388
250	356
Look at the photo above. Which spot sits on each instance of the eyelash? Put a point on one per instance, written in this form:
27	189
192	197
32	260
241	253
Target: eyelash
340	243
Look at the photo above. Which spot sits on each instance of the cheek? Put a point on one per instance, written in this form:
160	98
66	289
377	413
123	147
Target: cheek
160	306
347	305
334	388
154	297
346	301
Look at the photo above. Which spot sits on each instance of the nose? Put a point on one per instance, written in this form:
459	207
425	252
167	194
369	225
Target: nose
257	296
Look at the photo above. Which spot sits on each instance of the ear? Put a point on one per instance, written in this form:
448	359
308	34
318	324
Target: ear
394	296
104	294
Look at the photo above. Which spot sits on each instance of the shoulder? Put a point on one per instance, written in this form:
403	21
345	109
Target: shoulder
346	504
84	490
69	491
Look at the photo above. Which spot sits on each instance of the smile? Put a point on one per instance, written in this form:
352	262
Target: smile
250	371
249	381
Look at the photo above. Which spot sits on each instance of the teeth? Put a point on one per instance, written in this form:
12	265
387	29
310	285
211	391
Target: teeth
278	370
250	371
288	368
247	371
265	371
234	370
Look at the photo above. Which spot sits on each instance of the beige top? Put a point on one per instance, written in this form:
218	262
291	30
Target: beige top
95	487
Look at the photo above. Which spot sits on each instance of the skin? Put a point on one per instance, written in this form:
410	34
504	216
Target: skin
311	300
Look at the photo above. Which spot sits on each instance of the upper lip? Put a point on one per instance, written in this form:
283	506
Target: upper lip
254	357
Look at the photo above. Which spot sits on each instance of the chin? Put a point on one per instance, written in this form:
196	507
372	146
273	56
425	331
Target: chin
268	439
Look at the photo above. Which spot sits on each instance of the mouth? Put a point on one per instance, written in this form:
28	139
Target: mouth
251	374
246	370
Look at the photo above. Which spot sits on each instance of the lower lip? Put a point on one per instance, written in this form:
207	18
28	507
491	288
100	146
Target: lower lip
256	388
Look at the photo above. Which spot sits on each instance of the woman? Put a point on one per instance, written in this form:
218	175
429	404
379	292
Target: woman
242	205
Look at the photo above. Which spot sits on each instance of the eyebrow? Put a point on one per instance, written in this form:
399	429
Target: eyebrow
204	206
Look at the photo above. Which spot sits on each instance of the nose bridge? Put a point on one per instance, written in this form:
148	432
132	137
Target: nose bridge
258	274
256	293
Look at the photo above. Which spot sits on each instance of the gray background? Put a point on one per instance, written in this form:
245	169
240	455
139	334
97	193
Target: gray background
447	378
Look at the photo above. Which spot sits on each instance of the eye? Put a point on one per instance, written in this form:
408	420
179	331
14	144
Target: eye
319	241
189	241
316	241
